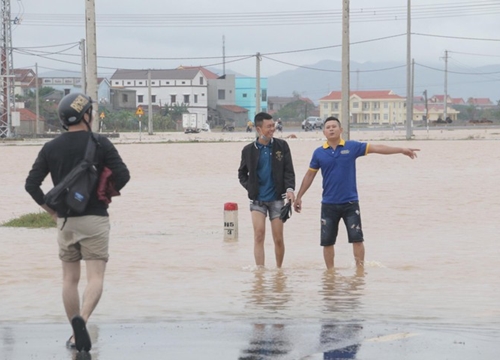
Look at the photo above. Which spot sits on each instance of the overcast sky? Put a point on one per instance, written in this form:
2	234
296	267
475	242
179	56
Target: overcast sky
193	30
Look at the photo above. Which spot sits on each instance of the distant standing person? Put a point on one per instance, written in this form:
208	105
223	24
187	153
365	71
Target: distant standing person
266	172
80	236
337	161
249	126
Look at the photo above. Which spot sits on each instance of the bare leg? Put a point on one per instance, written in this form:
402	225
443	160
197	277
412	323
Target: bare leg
329	254
71	299
93	290
359	253
279	244
259	234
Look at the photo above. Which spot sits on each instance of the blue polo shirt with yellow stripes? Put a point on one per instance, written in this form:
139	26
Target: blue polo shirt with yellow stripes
338	168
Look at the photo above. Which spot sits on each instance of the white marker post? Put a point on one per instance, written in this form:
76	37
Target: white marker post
230	222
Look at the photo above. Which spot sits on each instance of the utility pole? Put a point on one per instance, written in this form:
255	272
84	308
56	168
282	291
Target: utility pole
426	111
92	59
257	87
6	72
412	92
37	102
223	55
408	73
150	105
445	100
84	66
345	93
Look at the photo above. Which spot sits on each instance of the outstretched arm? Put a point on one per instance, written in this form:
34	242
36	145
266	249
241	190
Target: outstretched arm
389	150
306	183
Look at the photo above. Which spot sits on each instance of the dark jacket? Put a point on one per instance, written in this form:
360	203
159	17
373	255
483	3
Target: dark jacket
60	155
282	168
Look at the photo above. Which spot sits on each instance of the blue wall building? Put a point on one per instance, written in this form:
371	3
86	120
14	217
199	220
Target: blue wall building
245	94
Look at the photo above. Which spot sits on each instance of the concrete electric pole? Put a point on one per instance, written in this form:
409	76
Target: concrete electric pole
445	100
345	91
257	86
150	105
409	101
90	28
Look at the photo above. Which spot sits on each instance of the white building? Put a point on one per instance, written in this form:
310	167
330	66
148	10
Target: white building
168	87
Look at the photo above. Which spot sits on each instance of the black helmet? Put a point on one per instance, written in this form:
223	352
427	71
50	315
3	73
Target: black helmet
72	107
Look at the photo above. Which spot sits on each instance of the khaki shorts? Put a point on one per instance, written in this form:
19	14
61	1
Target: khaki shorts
83	237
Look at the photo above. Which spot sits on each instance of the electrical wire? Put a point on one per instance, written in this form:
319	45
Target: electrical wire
269	19
332	71
457	72
455	37
46	46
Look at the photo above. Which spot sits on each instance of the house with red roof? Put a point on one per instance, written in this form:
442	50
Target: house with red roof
433	112
28	121
24	81
483	103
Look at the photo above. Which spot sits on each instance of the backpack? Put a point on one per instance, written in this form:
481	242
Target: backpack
73	192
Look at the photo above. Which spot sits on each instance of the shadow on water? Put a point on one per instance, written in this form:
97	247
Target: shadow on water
267	342
269	290
340	338
340	335
8	342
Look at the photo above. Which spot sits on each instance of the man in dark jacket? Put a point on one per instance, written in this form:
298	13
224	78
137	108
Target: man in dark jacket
266	172
80	236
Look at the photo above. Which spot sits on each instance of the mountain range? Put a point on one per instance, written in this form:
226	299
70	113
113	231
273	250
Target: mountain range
317	80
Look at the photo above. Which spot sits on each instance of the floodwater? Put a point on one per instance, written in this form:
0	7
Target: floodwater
431	236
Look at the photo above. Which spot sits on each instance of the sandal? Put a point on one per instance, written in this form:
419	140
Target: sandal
70	344
82	338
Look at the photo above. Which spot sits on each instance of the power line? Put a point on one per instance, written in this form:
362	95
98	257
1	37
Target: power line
455	37
268	19
333	71
464	53
46	46
457	72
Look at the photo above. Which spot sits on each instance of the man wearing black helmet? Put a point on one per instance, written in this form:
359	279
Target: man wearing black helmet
84	236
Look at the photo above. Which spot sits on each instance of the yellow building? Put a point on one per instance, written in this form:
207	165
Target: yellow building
375	107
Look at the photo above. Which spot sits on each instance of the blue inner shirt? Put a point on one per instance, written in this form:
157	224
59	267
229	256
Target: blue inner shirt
267	191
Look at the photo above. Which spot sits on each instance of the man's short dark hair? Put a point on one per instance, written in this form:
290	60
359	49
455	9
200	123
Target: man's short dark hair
332	118
260	117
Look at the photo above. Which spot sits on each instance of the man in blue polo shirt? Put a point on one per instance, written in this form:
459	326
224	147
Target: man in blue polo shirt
337	161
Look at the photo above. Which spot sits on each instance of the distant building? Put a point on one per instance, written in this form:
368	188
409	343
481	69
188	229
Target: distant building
246	94
123	99
28	121
366	107
24	81
65	81
233	114
433	112
435	108
187	87
70	82
483	103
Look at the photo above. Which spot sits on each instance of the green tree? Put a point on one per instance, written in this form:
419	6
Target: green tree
175	111
294	111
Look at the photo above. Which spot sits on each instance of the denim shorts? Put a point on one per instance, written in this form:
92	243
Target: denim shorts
271	207
330	218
